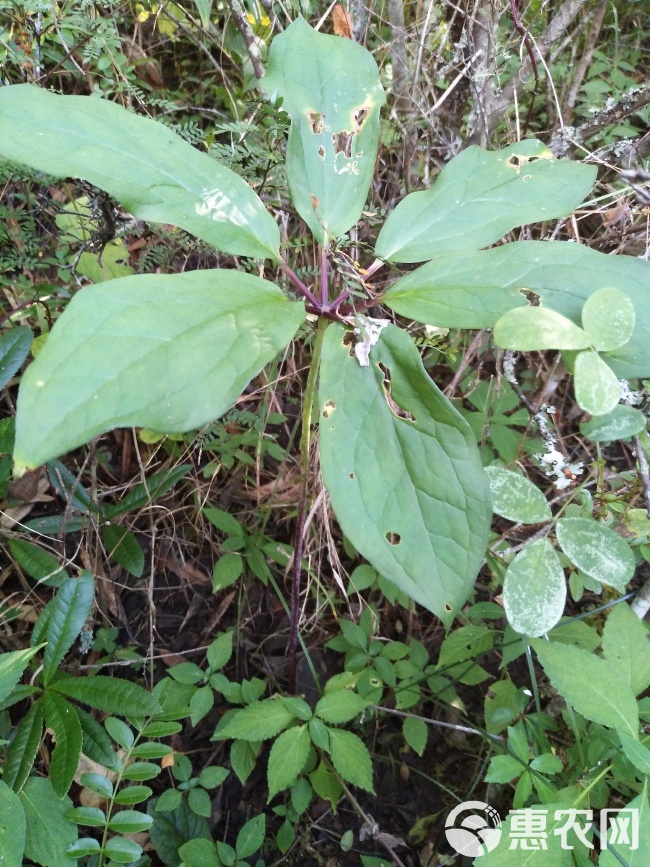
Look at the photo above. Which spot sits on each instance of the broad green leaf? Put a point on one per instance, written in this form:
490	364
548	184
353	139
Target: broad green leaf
351	759
555	855
39	564
220	651
201	704
14	349
68	612
170	830
257	722
83	846
122	851
98	784
415	733
474	290
134	795
12	666
61	718
49	833
626	645
592	685
479	196
124	548
204	8
110	264
529	328
403	471
516	498
199	853
130	822
331	90
121	733
166	352
112	695
619	424
21	752
228	569
503	769
534	589
251	837
12	828
287	759
621	850
635	752
608	319
151	171
595	383
340	706
140	771
326	784
596	550
91	817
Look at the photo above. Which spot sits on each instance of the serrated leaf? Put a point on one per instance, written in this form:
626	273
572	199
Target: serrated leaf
251	837
12	666
243	757
340	706
479	196
220	651
37	563
149	169
592	685
48	831
474	290
67	615
111	695
227	570
15	344
124	548
287	759
503	769
351	759
169	352
626	644
21	752
516	498
596	550
608	318
201	704
633	852
596	387
534	589
415	733
12	828
257	722
403	471
331	90
536	328
60	716
96	743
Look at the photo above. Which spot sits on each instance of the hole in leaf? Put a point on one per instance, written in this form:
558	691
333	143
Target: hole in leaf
351	476
328	408
393	538
343	143
394	408
349	340
448	607
315	119
359	116
321	152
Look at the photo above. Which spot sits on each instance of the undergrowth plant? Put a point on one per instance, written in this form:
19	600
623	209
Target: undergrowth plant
171	353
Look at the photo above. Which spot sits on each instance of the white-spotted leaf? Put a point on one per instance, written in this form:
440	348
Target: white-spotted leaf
596	386
596	550
534	589
529	328
516	498
619	424
608	318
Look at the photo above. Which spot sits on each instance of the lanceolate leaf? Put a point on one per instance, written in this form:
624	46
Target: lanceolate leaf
479	196
112	695
12	666
151	171
21	752
14	349
48	831
67	615
403	471
96	743
61	718
331	90
474	290
165	352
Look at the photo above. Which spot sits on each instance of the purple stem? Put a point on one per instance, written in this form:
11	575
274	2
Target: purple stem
324	278
300	286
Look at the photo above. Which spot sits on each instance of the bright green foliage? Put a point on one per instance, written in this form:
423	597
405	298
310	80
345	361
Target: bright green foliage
534	589
634	857
626	645
48	830
478	197
387	428
12	666
287	758
334	132
154	173
12	827
65	616
166	352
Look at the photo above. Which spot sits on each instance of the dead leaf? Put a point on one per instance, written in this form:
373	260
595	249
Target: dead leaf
342	21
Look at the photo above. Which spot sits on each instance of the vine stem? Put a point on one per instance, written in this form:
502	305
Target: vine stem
305	443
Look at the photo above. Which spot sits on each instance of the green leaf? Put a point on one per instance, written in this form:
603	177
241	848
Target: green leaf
130	822
227	570
98	784
503	769
331	90
199	853
251	837
67	615
124	548
340	706
619	424
220	651
621	851
21	752
149	491
12	828
154	173
82	847
516	498
626	644
49	833
200	802
169	800
167	352
111	263
529	328
123	851
596	550
415	733
403	470
14	349
479	196
133	795
60	716
121	733
596	386
554	855
592	685
201	704
91	817
534	589
39	564
213	776
111	695
12	666
243	758
635	752
96	743
476	289
326	785
171	830
141	771
287	759
608	318
351	759
257	722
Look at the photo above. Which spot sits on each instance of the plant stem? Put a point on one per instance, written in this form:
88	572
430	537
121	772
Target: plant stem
305	441
300	286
